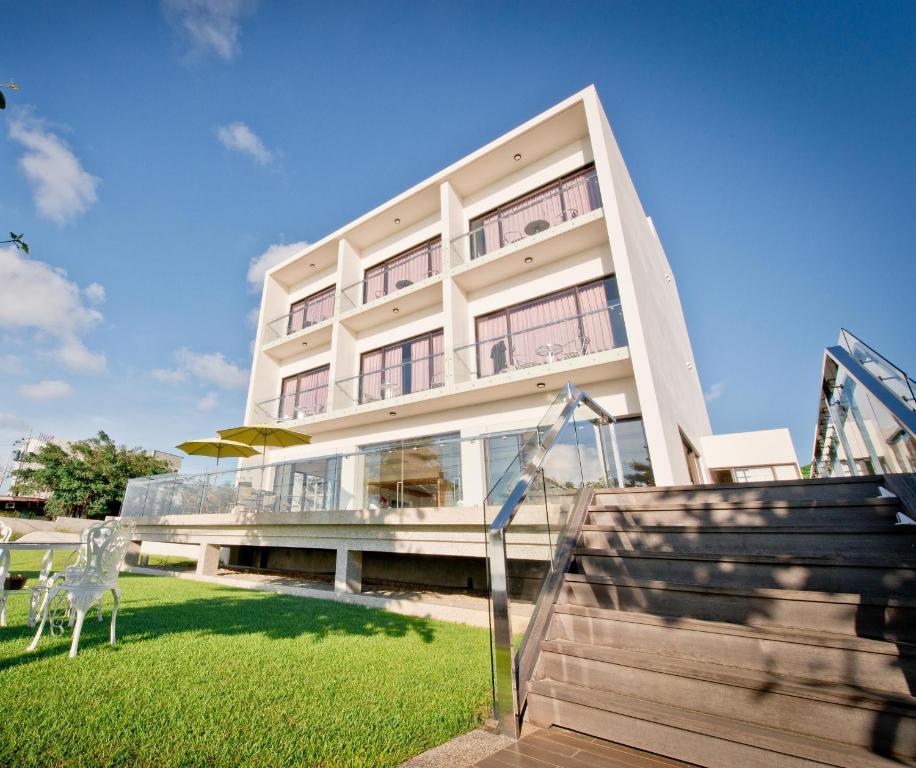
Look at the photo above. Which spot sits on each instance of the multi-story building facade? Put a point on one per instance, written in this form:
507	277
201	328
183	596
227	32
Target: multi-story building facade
419	344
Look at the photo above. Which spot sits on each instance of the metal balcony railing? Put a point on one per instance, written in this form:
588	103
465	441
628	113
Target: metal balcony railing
529	216
393	381
303	316
299	405
563	339
395	275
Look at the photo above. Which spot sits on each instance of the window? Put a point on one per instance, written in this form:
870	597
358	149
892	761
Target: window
753	474
311	310
595	462
554	203
304	394
575	321
423	472
403	270
412	365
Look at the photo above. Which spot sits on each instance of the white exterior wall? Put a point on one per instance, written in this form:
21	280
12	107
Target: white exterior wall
764	448
666	375
654	377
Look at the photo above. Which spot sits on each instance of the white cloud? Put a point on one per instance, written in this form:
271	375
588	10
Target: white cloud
714	392
10	422
238	137
208	402
276	253
253	316
211	26
61	188
95	293
209	367
49	389
169	375
35	296
74	356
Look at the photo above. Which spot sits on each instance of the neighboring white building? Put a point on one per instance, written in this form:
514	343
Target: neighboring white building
750	457
421	344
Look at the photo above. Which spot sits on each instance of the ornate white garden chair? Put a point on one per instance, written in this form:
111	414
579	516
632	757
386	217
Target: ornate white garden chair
72	592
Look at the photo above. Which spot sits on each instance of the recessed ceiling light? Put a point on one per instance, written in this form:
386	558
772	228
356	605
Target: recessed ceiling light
528	259
305	343
517	157
395	310
397	221
312	266
392	413
541	385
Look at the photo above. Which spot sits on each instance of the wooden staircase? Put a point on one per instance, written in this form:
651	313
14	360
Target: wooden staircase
766	624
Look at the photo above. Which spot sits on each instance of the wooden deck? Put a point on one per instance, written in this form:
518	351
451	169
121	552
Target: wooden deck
559	748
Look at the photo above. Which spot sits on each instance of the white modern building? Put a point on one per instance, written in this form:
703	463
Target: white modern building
421	344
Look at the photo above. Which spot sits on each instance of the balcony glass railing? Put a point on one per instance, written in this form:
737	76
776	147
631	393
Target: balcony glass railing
298	405
387	383
302	316
563	339
536	213
300	486
395	275
866	420
892	377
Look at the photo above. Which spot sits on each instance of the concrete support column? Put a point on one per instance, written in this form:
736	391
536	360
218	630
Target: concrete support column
208	560
348	575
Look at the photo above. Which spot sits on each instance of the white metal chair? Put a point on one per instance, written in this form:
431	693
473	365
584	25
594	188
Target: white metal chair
577	347
73	591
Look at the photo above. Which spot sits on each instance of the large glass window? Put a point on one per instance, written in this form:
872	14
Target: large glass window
555	203
423	472
307	485
311	310
304	394
595	454
409	366
403	270
569	323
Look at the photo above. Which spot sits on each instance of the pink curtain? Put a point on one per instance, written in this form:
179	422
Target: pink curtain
320	306
596	324
493	344
371	376
580	194
541	206
287	397
403	270
296	317
541	323
313	391
420	354
438	361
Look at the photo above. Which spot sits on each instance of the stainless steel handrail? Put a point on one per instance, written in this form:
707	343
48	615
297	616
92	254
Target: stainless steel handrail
507	703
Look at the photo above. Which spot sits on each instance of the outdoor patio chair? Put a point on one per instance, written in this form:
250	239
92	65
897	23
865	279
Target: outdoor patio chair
520	361
577	347
72	592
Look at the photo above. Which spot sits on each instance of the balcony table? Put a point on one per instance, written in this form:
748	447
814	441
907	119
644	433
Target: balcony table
550	352
400	284
536	227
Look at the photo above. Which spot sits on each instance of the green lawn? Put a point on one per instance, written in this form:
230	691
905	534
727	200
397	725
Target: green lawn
210	676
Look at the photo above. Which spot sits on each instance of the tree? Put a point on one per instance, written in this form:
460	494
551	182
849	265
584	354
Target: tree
89	479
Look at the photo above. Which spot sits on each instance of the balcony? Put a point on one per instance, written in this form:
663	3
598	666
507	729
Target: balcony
527	217
396	274
572	338
392	382
310	318
294	407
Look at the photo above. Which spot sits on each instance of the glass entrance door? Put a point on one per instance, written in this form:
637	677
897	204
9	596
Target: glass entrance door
413	473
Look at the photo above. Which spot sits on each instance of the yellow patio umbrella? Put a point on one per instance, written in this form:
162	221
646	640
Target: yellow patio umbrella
215	446
265	436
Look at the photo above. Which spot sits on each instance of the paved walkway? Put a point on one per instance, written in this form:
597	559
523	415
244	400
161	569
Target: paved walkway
559	748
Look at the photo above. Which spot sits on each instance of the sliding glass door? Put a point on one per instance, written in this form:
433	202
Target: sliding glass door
413	473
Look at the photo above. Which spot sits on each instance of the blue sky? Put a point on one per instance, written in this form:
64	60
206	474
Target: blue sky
155	150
